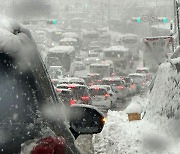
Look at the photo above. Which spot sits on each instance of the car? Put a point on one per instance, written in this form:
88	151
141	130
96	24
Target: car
118	86
30	111
140	81
100	97
92	58
111	92
79	63
146	71
66	96
80	92
72	80
56	72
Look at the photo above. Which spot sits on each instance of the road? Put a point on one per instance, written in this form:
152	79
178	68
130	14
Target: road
85	141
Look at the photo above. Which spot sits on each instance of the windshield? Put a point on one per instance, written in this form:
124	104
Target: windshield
97	92
112	82
137	79
139	38
93	55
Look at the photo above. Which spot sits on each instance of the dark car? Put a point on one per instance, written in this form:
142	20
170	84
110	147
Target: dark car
29	106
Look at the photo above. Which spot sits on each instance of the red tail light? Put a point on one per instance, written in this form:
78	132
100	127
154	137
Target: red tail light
133	86
106	96
71	86
58	90
50	145
96	88
143	83
120	87
85	98
72	102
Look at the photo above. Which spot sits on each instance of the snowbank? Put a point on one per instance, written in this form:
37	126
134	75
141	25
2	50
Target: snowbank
120	136
158	132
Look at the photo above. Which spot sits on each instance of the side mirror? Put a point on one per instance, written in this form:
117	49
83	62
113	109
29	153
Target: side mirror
85	119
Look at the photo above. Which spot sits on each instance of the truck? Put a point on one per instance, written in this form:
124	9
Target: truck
156	51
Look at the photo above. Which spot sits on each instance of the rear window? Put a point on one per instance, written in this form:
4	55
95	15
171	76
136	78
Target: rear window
113	82
141	71
99	92
137	78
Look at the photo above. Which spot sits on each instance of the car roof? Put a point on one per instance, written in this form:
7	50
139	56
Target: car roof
137	74
143	68
62	49
116	48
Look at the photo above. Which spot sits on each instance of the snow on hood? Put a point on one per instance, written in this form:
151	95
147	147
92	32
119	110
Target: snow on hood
16	41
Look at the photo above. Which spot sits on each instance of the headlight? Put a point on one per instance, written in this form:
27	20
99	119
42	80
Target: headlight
87	59
97	59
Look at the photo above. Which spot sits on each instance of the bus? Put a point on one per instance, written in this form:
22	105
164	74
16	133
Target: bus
77	22
130	41
53	37
120	57
90	36
62	55
103	69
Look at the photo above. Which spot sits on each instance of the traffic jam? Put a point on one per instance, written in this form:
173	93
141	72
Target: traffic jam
88	67
89	77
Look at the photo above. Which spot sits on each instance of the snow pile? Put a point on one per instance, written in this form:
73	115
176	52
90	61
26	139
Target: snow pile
134	107
158	132
120	136
163	108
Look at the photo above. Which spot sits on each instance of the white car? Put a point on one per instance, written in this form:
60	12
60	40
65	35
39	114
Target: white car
118	86
111	92
100	97
92	58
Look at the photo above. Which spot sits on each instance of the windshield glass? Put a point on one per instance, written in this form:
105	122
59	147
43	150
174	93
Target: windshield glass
127	45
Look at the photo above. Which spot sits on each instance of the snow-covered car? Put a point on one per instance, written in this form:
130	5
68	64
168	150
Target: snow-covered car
72	80
30	109
110	91
100	97
118	86
79	63
56	72
146	71
80	92
140	81
92	58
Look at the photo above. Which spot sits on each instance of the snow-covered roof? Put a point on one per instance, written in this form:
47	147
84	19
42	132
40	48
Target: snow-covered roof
137	74
100	64
61	49
68	40
70	35
116	48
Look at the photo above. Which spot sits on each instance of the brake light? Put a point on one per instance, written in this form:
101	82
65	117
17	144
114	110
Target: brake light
132	86
71	86
106	96
50	145
143	83
85	98
96	88
58	90
120	87
72	102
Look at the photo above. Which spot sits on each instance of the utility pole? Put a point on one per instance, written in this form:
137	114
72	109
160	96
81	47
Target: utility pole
109	13
177	6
